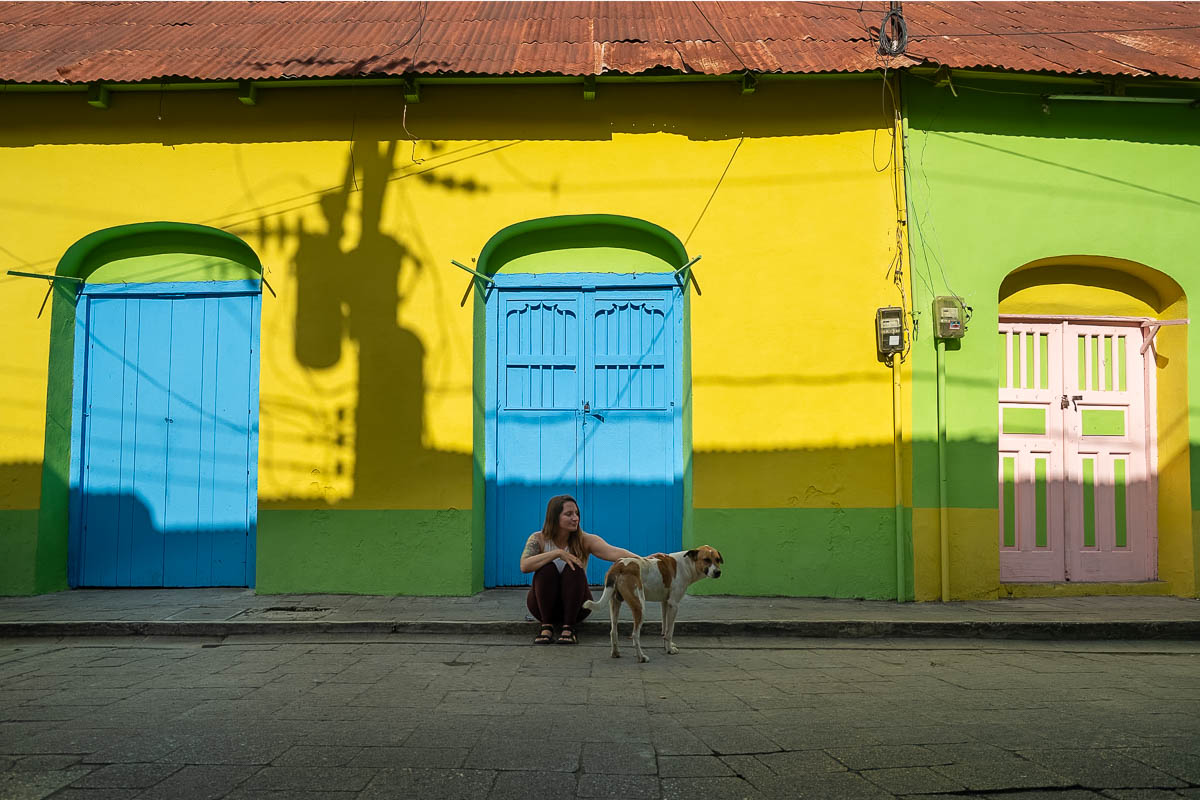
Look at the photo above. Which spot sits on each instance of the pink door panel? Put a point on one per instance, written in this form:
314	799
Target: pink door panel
1031	455
1108	487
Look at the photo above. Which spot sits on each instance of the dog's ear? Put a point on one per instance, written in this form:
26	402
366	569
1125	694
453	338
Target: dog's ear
692	554
720	558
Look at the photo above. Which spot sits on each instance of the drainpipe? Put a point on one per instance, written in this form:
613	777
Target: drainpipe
943	514
901	197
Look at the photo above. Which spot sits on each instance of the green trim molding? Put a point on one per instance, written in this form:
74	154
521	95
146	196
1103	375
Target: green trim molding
196	247
582	243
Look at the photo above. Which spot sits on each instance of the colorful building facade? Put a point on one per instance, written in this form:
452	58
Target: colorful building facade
374	404
348	336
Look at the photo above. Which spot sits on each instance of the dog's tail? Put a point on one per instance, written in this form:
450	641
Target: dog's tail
609	588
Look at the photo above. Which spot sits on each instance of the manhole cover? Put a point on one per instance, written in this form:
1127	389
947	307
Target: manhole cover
289	612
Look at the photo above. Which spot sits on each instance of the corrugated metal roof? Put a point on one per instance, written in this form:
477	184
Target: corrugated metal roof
144	41
1135	39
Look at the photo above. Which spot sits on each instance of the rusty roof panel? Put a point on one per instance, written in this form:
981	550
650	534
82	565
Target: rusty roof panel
77	42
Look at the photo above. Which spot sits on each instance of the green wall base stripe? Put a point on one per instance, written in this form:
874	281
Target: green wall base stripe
804	552
18	551
356	551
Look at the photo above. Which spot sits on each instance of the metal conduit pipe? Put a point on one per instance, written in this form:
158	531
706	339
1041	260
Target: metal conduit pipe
943	512
899	176
897	441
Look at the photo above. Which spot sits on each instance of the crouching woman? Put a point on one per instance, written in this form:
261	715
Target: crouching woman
557	555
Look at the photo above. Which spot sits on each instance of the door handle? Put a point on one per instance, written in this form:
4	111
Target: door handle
1074	398
587	409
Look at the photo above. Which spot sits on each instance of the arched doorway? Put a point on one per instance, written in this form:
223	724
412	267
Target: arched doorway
584	387
1079	412
164	407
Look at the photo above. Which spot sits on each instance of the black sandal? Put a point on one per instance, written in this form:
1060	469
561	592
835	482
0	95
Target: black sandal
545	635
566	635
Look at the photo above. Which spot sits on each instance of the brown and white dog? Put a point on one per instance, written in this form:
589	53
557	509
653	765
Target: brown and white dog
661	577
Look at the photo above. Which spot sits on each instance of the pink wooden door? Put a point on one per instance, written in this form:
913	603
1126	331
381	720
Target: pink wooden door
1031	454
1109	482
1076	449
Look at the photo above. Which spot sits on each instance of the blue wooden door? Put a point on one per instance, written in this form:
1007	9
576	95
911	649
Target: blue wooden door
539	393
630	497
586	403
168	413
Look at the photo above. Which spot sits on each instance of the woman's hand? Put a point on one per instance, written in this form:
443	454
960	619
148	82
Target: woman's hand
570	558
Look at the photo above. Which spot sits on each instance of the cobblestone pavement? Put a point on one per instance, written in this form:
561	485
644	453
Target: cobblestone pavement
496	717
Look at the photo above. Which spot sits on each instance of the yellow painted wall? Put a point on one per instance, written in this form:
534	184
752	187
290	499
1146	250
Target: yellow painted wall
974	554
22	387
356	222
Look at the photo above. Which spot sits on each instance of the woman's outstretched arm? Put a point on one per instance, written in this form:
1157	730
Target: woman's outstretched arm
602	549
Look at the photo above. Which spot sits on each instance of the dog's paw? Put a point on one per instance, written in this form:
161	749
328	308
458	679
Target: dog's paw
672	650
643	658
615	654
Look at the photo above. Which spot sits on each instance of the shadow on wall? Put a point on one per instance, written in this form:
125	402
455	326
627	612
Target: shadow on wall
350	304
352	298
126	541
699	111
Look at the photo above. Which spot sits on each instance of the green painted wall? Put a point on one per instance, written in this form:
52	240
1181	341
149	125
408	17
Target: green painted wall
802	552
998	180
18	551
365	552
160	267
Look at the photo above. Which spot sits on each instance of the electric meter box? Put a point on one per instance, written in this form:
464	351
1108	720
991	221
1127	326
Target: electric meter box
889	329
949	317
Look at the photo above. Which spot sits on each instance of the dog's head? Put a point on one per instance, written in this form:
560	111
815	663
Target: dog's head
707	560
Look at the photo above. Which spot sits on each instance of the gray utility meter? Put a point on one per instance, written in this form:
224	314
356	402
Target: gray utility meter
889	329
949	317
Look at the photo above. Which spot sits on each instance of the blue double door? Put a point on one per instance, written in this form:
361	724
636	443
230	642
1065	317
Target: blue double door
166	450
587	403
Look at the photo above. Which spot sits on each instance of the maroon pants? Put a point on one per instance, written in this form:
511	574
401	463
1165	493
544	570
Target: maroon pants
556	598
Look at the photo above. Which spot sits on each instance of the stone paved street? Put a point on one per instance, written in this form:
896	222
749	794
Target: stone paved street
492	716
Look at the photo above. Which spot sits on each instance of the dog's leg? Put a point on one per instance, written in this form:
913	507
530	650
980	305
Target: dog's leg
670	610
637	604
614	612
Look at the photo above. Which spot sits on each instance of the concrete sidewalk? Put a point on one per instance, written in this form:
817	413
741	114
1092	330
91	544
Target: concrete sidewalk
223	612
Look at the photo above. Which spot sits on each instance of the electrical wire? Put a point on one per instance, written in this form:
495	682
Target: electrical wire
933	81
720	38
917	36
893	42
413	35
704	210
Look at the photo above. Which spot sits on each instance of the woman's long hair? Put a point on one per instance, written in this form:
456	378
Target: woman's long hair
550	528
